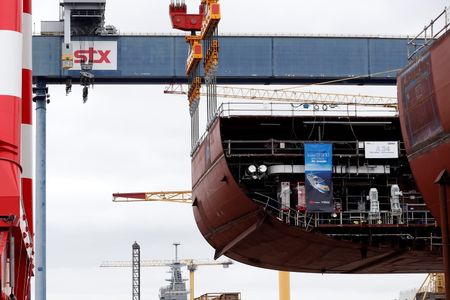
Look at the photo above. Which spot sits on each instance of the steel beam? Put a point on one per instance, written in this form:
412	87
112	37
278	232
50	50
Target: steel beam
160	59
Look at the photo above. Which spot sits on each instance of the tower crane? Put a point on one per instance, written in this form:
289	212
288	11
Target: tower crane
184	197
303	97
173	196
190	263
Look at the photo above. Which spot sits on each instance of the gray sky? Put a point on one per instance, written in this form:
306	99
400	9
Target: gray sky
137	139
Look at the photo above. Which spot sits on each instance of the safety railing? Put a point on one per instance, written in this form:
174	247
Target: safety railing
303	110
418	214
429	34
275	147
233	109
285	213
284	147
413	215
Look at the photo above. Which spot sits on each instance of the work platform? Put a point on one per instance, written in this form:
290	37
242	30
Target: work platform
160	59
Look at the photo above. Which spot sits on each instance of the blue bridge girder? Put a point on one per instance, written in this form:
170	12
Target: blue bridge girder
160	59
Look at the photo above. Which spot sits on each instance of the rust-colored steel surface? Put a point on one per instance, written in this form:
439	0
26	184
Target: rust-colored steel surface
241	229
424	105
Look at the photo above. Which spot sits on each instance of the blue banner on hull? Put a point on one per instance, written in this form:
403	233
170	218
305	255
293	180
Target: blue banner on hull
318	177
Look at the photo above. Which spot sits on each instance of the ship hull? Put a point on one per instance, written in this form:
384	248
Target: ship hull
235	226
424	98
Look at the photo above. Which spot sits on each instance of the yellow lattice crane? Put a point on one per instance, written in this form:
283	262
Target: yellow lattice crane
186	197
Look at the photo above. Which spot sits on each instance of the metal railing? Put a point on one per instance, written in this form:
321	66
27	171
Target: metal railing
304	109
413	215
429	34
233	109
287	214
275	147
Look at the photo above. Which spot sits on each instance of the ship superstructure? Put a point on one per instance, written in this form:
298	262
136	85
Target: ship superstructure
176	289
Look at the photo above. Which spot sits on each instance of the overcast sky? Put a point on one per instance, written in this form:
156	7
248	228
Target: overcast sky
137	139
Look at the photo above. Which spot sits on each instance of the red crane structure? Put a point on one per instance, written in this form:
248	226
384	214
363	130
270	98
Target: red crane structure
16	210
182	20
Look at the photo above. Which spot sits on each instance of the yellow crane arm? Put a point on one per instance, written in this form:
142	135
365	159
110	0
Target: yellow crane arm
169	196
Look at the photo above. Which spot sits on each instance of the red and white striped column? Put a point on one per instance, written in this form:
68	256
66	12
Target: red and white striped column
26	153
10	104
27	121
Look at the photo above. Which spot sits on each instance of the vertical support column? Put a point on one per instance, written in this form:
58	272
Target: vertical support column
191	269
284	285
444	181
41	91
136	271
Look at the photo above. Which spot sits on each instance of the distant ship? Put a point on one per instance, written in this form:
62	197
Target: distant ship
424	104
176	289
250	194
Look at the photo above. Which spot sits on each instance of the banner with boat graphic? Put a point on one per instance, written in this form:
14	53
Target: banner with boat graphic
318	177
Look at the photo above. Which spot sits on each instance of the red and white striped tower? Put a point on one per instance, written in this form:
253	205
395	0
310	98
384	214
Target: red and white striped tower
11	42
10	103
26	156
27	121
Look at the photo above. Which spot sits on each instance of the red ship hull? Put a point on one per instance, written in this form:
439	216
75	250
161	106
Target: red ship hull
424	104
243	230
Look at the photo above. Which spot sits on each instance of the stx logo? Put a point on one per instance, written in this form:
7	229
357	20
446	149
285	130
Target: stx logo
102	53
96	56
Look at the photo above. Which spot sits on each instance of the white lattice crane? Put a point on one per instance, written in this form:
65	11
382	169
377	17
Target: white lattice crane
190	263
307	98
168	196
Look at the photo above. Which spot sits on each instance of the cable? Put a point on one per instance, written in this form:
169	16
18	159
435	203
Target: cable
323	127
342	79
351	127
312	129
